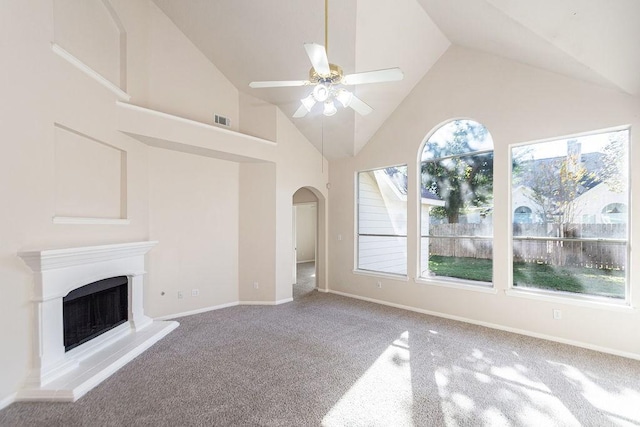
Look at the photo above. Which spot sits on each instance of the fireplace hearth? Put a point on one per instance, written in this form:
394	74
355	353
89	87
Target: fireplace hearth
89	317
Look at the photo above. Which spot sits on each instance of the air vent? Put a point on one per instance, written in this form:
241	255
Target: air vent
220	120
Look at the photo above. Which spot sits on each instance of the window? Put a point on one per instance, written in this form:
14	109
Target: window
382	220
522	214
578	190
614	213
457	203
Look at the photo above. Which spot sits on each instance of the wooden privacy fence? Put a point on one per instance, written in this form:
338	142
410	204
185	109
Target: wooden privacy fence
576	245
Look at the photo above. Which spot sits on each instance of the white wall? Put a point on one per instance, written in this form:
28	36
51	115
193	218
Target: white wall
193	213
181	80
306	232
199	204
257	251
517	103
304	195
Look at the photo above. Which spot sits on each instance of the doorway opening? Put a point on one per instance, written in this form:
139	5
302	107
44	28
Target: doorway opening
305	242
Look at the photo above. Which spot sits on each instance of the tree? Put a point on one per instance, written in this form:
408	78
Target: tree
458	175
555	184
614	171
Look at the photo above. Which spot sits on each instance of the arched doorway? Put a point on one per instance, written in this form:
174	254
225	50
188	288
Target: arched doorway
305	242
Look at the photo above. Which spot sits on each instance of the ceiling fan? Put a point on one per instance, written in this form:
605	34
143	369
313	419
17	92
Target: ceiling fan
329	81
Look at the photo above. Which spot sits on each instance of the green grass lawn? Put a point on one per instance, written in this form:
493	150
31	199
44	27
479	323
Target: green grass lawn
608	283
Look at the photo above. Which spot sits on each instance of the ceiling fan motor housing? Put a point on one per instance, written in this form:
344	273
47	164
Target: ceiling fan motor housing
335	77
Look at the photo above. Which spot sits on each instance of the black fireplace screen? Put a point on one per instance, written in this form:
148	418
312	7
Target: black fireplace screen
94	309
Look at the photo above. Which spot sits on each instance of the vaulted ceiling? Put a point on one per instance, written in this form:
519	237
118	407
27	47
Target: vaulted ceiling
248	40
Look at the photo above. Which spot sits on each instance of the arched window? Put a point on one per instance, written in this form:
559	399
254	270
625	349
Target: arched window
456	172
614	213
522	215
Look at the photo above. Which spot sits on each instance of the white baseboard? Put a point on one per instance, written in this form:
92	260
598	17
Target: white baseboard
197	311
7	401
326	291
278	302
495	326
221	306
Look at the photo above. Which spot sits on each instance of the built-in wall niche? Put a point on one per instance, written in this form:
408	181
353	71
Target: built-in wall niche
90	179
89	34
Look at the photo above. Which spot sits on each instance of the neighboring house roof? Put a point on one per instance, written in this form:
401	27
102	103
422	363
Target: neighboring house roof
592	162
400	181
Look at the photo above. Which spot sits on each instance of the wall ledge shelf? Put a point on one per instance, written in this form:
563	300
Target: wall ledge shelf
96	76
90	221
163	130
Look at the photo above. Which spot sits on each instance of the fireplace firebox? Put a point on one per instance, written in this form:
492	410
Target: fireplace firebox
94	309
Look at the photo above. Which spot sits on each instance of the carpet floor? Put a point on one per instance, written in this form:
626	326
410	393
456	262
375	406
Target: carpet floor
328	360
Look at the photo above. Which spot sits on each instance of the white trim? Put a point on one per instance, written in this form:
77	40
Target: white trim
58	50
398	277
197	311
193	122
278	302
573	135
50	259
326	291
580	344
305	260
90	221
95	369
467	285
564	298
7	400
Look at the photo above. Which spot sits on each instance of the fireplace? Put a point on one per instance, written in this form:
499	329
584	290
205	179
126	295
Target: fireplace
94	309
88	316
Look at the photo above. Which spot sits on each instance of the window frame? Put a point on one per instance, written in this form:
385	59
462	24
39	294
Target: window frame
445	281
356	246
572	298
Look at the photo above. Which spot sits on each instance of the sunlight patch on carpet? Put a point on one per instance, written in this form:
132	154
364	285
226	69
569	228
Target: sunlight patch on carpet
382	396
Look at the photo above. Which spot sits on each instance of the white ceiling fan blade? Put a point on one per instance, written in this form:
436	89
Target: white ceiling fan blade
360	106
318	57
378	76
300	112
278	83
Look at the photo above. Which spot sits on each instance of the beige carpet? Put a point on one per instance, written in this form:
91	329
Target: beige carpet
333	361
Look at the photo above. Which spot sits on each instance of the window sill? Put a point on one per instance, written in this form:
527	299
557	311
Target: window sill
398	277
581	301
467	285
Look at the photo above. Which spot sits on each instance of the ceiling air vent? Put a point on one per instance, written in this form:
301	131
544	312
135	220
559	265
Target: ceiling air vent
220	120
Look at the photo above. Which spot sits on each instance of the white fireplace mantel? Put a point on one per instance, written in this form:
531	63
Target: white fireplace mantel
67	375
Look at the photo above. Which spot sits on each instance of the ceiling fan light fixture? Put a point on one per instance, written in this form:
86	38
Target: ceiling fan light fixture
308	102
320	92
345	97
329	109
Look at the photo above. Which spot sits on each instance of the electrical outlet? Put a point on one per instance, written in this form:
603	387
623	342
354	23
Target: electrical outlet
255	285
195	292
557	314
379	285
180	295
